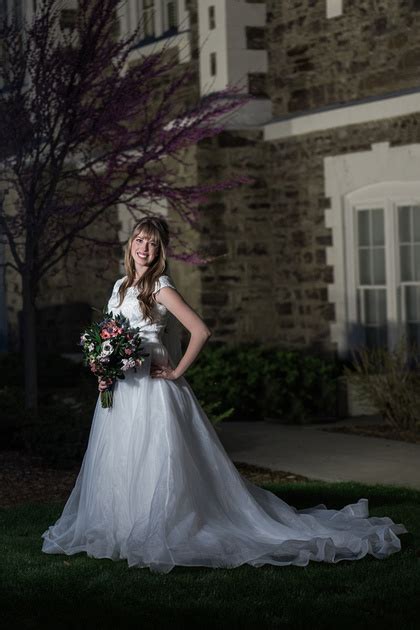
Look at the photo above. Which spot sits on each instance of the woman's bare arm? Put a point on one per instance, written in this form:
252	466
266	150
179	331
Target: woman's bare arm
176	304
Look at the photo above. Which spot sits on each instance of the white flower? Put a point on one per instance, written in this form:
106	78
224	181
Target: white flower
127	364
91	347
106	348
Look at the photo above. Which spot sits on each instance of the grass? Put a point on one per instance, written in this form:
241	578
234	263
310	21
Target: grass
39	590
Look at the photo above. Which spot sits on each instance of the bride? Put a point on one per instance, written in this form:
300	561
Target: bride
156	487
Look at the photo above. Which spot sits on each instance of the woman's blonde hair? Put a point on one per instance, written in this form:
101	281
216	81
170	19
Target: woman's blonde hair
154	227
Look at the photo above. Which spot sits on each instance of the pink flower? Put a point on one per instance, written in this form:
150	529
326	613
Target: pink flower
128	351
111	330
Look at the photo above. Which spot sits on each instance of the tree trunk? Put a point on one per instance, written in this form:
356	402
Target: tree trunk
29	344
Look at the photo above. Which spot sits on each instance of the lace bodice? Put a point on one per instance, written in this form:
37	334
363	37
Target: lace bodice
131	309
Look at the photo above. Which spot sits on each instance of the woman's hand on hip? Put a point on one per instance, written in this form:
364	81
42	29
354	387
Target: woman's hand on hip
163	371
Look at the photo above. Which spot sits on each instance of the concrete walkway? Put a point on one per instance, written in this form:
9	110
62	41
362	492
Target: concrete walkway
317	454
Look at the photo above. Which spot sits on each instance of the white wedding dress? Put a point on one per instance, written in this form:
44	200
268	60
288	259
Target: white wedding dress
157	489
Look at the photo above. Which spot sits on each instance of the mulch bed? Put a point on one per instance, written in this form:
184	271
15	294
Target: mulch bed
26	478
378	430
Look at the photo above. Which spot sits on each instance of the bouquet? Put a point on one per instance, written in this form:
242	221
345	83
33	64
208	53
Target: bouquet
110	348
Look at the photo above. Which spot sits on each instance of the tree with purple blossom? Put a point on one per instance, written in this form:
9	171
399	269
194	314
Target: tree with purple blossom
82	129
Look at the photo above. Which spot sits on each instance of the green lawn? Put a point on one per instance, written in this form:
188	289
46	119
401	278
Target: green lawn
39	590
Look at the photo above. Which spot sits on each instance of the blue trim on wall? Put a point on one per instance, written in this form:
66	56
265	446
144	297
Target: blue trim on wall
153	40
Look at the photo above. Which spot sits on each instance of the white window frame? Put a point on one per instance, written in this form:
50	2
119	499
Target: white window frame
389	196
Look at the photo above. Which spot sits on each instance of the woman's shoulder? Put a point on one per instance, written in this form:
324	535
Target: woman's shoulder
118	283
164	281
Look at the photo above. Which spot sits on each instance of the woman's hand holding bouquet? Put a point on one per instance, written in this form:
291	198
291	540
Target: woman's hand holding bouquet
110	348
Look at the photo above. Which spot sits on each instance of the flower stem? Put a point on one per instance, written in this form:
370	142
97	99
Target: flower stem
106	398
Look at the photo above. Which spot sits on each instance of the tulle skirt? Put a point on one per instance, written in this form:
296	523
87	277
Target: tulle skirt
157	489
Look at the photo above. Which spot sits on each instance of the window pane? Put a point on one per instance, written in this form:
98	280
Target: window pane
382	336
375	337
363	227
416	262
404	223
148	18
416	223
378	265
405	260
370	307
3	8
213	64
138	12
413	334
378	234
411	303
172	14
364	267
381	306
371	337
212	17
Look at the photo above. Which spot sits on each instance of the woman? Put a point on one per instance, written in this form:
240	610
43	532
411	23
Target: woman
156	487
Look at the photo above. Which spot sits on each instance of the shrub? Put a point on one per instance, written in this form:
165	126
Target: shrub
53	370
264	382
215	412
245	382
59	434
11	405
390	379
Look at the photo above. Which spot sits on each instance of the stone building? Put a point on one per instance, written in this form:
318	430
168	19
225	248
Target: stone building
322	250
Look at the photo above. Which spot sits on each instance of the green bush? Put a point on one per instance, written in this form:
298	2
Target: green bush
53	370
59	434
11	405
244	382
265	382
215	411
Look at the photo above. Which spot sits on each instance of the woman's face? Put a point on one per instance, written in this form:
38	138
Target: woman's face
144	250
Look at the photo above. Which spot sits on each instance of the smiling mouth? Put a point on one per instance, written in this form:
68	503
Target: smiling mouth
142	255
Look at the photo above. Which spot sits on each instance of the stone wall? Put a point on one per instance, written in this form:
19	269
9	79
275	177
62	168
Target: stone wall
371	49
271	283
237	231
